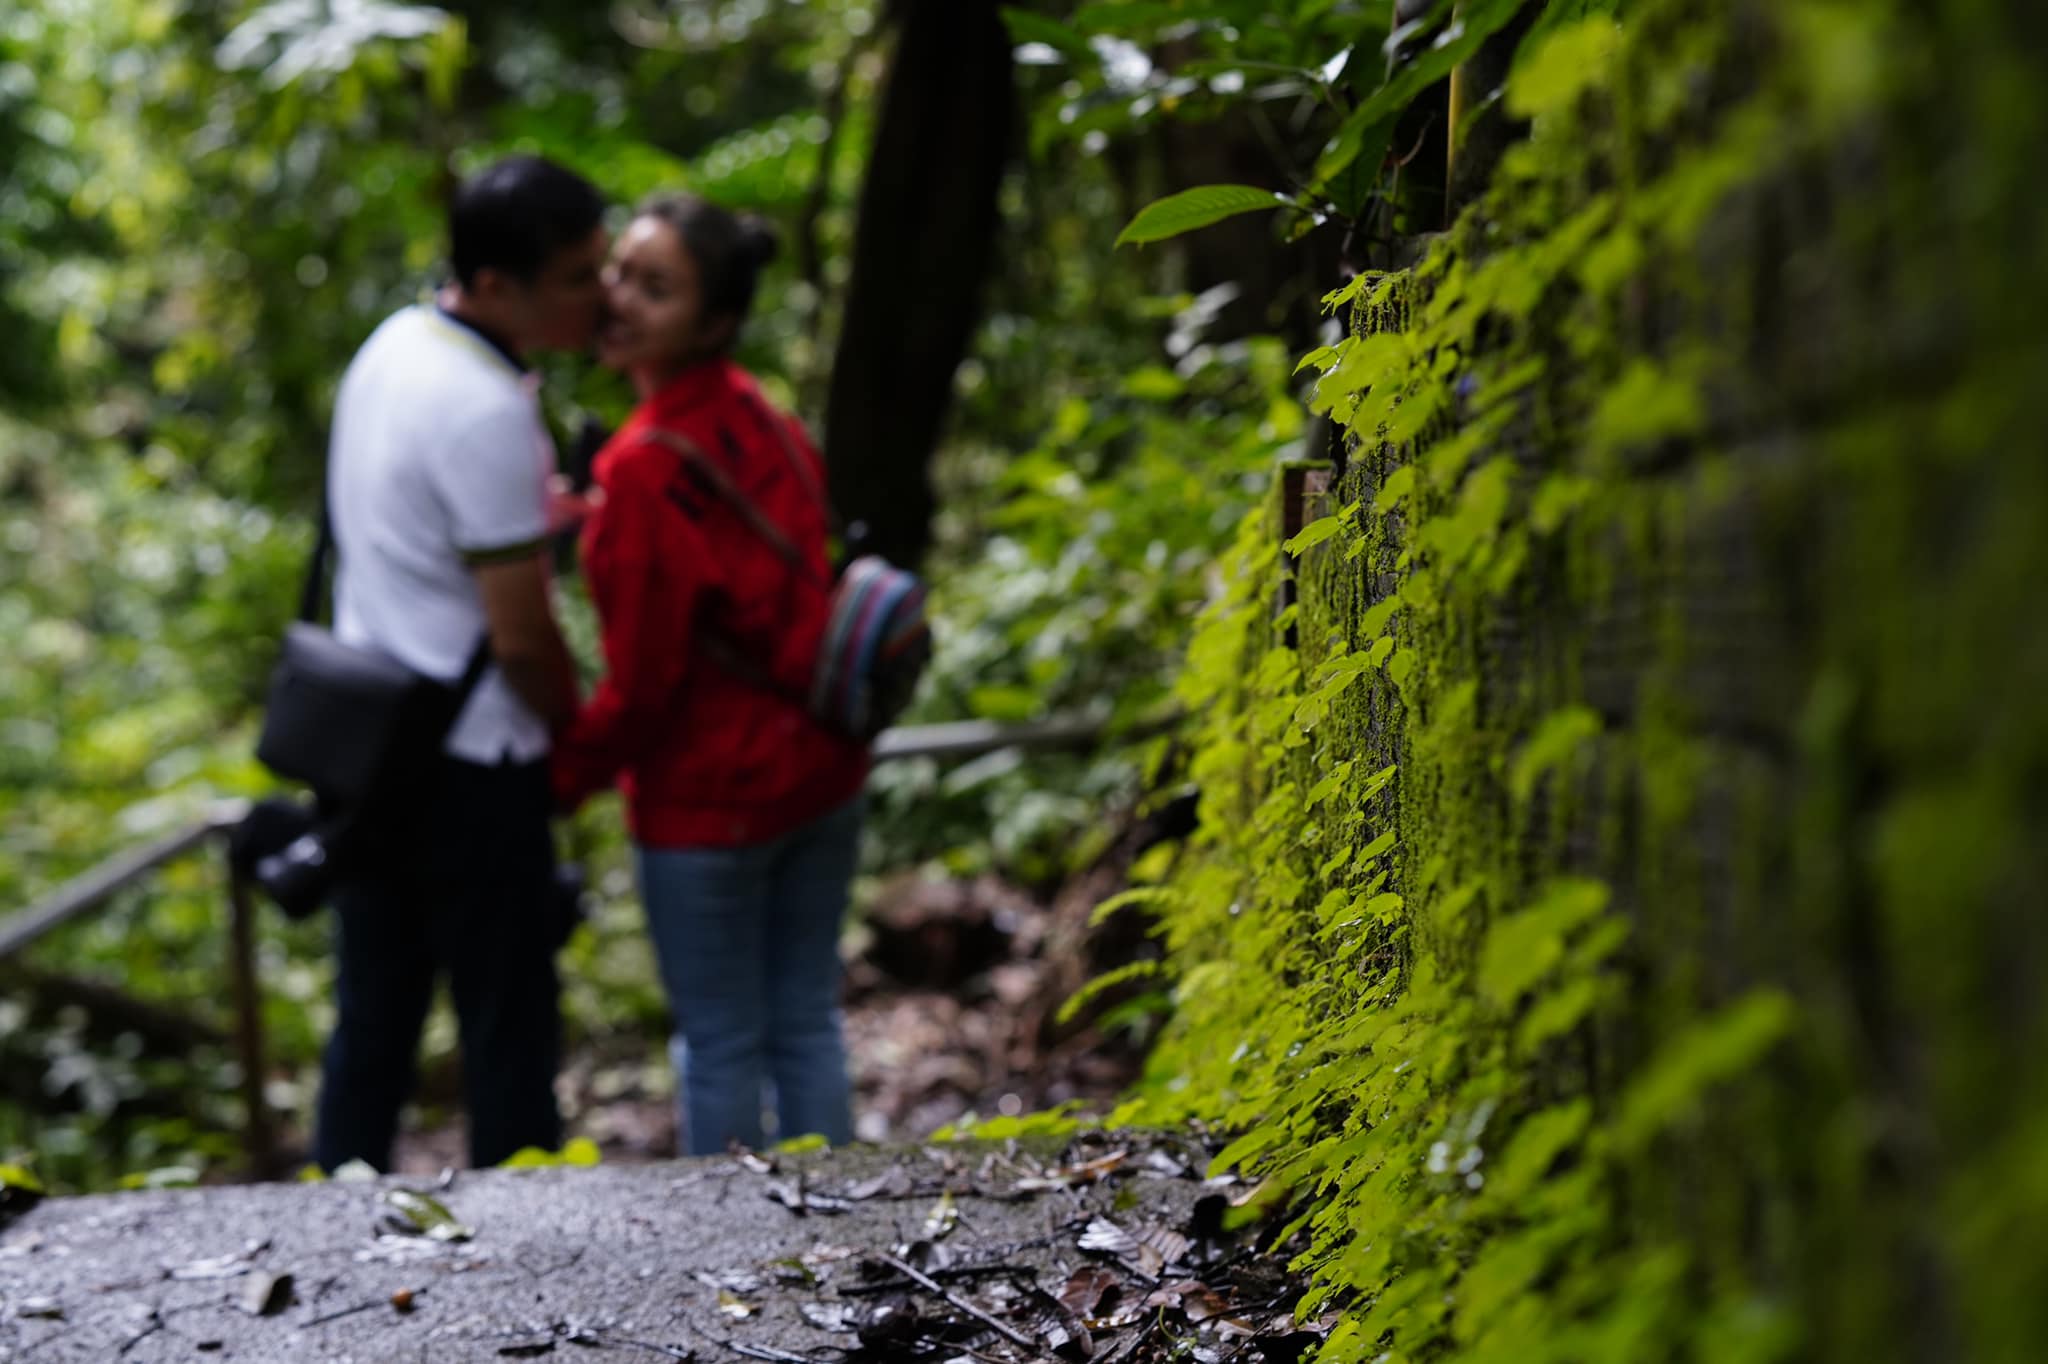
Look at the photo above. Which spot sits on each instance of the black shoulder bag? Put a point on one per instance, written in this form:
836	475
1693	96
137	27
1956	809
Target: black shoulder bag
354	724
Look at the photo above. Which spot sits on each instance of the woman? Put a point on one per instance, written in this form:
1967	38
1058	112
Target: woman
707	560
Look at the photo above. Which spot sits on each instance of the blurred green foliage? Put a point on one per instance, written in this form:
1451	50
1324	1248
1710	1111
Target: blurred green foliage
211	202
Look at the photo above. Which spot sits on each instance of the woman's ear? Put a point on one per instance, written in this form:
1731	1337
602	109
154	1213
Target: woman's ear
719	332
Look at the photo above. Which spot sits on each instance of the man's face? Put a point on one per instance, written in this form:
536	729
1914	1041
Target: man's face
558	309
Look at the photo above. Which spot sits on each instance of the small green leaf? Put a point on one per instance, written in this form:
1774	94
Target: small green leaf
1374	623
1314	533
1402	665
1137	895
1108	980
20	1177
1397	486
429	1216
1195	208
803	1145
1558	736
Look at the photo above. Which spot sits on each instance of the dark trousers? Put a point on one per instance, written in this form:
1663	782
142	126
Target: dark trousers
467	888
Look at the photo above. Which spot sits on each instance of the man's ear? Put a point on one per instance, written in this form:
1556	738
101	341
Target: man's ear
485	284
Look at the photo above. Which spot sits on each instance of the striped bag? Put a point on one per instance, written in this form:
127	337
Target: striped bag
877	639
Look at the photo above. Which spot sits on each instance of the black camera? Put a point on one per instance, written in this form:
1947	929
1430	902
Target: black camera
298	875
288	851
293	854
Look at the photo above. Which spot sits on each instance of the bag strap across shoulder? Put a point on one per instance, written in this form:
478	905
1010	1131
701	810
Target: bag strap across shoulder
805	474
316	568
721	483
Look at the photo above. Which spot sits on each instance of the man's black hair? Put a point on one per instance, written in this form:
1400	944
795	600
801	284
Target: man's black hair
515	214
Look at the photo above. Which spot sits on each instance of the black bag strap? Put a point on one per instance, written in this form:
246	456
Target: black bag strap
316	568
743	506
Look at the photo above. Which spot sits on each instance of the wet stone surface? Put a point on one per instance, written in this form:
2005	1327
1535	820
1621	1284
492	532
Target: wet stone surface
1106	1249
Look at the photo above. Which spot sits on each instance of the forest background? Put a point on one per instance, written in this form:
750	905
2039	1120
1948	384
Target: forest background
209	203
1580	484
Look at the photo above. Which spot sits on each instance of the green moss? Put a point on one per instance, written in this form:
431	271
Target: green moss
1617	921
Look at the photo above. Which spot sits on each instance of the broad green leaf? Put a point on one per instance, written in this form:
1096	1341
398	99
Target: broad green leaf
1155	383
1535	1146
1557	1012
1521	949
1550	75
1474	25
1195	208
1708	1053
1647	404
996	702
1027	26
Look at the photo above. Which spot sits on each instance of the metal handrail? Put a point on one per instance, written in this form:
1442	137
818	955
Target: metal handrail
92	889
84	893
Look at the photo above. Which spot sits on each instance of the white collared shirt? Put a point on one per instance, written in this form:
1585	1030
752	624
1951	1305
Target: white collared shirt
437	461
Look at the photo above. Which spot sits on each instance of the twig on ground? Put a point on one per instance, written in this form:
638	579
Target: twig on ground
769	1353
865	1290
156	1323
1000	1327
605	1338
338	1313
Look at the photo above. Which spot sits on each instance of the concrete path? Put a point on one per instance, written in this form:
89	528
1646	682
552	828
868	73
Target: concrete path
970	1252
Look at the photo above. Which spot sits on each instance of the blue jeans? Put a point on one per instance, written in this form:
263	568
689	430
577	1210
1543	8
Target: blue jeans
748	943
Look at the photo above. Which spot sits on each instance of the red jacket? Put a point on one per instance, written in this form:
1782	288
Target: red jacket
705	757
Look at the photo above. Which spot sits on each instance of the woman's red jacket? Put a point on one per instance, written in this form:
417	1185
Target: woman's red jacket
706	758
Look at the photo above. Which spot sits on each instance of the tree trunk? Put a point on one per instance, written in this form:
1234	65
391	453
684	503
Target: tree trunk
928	218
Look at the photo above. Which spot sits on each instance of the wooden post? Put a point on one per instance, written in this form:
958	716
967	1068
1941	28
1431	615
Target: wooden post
257	1139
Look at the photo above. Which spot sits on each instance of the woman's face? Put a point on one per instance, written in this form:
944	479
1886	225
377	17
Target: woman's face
654	314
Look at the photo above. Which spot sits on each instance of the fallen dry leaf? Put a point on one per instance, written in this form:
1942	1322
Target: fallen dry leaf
1086	1289
265	1294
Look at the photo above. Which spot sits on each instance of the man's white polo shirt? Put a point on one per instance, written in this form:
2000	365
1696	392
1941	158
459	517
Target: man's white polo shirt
438	461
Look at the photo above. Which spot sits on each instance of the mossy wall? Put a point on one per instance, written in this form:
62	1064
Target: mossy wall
1620	920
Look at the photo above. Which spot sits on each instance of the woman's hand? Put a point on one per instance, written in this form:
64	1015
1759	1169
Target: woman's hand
567	508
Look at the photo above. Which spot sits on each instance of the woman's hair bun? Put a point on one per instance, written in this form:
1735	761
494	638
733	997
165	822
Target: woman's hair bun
758	239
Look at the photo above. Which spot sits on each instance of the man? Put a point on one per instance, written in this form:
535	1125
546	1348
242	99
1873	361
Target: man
438	479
